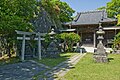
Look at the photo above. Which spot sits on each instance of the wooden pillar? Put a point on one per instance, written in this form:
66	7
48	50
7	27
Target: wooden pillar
23	48
106	38
115	32
39	46
81	37
77	32
94	38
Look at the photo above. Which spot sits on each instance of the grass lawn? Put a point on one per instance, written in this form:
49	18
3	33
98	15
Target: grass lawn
87	69
47	61
52	62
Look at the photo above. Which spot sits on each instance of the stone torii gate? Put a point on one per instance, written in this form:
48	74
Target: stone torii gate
24	38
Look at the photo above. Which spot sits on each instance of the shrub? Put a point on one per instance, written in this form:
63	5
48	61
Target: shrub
69	39
117	41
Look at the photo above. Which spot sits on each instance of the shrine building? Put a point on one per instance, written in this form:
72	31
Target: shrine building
86	24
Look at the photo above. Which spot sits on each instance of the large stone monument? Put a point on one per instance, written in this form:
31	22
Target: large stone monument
100	54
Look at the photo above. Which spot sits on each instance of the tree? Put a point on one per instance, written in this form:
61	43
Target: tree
101	8
113	9
117	41
69	39
66	12
15	15
118	17
59	11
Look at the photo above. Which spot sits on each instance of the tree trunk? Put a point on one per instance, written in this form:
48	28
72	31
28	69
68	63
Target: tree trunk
9	52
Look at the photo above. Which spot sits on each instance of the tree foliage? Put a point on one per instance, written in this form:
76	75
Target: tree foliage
113	8
101	8
117	41
15	15
65	12
59	11
70	39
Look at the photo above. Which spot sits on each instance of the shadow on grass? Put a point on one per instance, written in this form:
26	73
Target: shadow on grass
59	64
110	59
52	62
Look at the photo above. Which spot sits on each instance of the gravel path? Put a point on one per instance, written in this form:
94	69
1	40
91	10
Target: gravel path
20	71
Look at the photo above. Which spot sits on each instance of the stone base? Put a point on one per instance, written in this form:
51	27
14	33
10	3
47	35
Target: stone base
100	59
53	54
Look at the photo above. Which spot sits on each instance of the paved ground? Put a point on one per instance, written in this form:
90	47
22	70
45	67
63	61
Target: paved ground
26	70
91	49
88	49
20	71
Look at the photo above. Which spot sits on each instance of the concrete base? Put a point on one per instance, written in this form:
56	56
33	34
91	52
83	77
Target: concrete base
100	59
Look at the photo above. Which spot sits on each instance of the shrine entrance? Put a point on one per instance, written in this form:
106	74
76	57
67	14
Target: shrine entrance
30	36
88	39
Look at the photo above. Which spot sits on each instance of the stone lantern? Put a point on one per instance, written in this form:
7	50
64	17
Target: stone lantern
100	54
52	33
52	50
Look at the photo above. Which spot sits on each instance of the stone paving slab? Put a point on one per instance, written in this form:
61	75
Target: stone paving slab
72	61
63	68
20	71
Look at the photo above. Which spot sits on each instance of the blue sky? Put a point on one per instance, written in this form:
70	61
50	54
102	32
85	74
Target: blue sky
86	5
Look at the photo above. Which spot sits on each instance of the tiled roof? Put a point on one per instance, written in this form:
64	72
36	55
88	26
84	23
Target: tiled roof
67	30
91	17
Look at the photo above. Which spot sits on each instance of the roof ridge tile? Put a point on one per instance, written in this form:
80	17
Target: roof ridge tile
92	11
